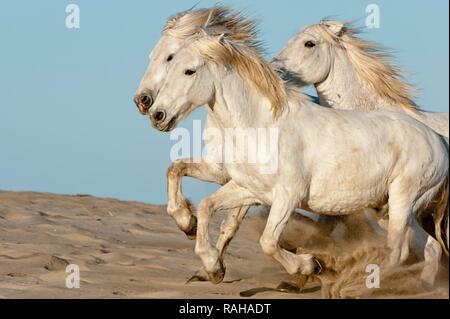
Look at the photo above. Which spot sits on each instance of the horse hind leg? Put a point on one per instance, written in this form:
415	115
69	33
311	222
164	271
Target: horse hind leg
398	238
403	222
400	212
424	245
426	248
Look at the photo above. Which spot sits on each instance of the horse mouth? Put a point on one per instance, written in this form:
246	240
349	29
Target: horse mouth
170	125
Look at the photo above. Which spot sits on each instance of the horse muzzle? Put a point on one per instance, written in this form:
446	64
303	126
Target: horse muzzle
161	122
144	102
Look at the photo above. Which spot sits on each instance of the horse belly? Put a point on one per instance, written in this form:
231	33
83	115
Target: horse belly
339	197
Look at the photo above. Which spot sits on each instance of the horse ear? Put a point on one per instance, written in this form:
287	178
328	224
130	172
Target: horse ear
221	38
208	20
337	28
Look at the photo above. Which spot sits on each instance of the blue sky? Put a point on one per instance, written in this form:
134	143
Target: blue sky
67	120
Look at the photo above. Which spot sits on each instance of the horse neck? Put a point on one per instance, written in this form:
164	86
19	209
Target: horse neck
239	105
344	89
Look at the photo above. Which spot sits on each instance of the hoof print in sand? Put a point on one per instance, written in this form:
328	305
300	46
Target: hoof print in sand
56	263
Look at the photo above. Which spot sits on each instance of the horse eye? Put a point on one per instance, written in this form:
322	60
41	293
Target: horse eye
309	44
189	72
169	58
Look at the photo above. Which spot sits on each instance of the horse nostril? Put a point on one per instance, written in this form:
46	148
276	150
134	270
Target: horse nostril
145	100
159	116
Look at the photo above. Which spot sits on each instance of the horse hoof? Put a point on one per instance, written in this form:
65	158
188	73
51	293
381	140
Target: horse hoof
200	275
217	276
214	277
317	266
427	285
289	287
191	233
295	283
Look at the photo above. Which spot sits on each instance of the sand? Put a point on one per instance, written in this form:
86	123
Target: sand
134	250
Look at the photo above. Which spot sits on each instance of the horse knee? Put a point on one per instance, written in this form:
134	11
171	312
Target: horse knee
175	170
205	207
268	244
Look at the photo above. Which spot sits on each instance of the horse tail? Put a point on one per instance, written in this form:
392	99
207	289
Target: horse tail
441	217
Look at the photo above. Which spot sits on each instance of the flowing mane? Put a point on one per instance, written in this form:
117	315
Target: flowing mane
219	20
249	63
372	63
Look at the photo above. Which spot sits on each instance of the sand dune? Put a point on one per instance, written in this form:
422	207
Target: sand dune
134	250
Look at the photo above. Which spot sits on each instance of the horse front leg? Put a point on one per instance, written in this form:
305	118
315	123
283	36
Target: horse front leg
229	227
230	196
178	207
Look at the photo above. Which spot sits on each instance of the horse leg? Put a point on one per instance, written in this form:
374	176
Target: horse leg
401	210
229	228
281	210
178	207
427	248
227	197
424	245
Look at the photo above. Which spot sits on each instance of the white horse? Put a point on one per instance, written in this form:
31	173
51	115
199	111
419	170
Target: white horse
349	72
176	33
330	161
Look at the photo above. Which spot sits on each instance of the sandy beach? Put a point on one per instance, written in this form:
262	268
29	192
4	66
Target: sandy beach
129	250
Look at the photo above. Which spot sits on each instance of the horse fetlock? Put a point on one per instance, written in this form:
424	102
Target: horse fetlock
209	256
268	245
191	230
217	274
428	275
179	207
309	265
394	257
184	218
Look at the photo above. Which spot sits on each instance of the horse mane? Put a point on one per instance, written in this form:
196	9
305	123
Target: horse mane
219	20
372	63
249	63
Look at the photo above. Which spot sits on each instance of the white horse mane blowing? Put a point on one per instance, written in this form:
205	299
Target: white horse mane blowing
330	161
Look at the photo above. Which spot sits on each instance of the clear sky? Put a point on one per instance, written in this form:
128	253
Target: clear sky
67	120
